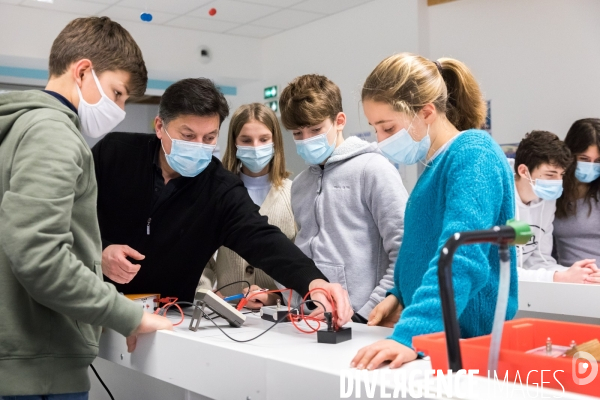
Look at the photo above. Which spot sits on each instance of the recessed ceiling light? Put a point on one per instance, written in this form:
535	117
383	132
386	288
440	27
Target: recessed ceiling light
46	1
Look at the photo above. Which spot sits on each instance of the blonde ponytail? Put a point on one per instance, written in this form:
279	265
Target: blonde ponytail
408	82
465	106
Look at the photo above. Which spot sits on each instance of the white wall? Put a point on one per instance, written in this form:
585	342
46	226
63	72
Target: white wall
170	53
344	47
355	41
537	60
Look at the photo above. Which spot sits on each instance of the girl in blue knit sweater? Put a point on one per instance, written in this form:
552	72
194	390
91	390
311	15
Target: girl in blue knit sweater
425	111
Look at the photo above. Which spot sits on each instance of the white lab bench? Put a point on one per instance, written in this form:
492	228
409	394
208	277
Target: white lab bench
560	301
282	364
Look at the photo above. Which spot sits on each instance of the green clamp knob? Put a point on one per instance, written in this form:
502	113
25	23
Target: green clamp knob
523	231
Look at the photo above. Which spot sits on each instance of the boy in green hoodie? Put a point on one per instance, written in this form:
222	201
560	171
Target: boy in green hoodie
52	297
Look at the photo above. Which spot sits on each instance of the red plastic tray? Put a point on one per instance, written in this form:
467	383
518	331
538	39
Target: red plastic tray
519	336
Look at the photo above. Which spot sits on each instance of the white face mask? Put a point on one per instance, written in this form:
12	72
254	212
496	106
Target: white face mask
100	118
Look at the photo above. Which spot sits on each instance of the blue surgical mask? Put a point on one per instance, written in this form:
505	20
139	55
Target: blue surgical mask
587	172
255	158
403	149
188	159
316	149
547	189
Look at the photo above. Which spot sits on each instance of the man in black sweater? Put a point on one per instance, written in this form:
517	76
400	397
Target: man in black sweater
165	202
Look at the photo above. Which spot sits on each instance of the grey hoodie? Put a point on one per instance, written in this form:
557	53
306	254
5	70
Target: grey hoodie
350	218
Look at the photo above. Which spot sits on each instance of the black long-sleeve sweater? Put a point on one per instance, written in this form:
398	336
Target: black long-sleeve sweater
179	236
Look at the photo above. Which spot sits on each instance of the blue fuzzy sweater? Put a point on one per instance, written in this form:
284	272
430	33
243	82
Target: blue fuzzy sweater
467	187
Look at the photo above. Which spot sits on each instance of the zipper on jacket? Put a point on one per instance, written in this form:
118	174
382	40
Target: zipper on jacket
148	227
319	190
320	183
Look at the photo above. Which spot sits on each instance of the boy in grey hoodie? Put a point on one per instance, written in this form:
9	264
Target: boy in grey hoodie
349	204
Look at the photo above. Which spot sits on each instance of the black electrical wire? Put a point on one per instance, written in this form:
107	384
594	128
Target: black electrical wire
268	329
234	283
313	301
185	303
102	382
211	314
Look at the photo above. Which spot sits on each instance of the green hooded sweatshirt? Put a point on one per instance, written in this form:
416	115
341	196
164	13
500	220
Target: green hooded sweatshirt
53	300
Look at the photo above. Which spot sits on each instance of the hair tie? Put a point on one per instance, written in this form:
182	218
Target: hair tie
439	66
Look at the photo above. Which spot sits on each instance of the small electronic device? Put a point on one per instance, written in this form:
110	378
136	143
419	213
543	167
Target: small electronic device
208	299
332	336
148	302
276	313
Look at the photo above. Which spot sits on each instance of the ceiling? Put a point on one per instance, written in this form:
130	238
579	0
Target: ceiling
249	18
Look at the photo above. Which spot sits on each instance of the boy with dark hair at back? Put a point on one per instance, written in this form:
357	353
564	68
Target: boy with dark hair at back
52	297
540	163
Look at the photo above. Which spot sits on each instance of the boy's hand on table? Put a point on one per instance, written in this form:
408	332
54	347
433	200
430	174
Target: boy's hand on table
150	323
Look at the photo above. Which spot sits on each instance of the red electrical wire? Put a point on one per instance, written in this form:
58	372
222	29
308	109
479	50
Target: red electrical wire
170	301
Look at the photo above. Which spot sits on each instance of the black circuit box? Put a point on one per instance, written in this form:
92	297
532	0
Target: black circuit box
276	313
334	337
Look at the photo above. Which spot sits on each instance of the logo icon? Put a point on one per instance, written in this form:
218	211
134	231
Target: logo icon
584	364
